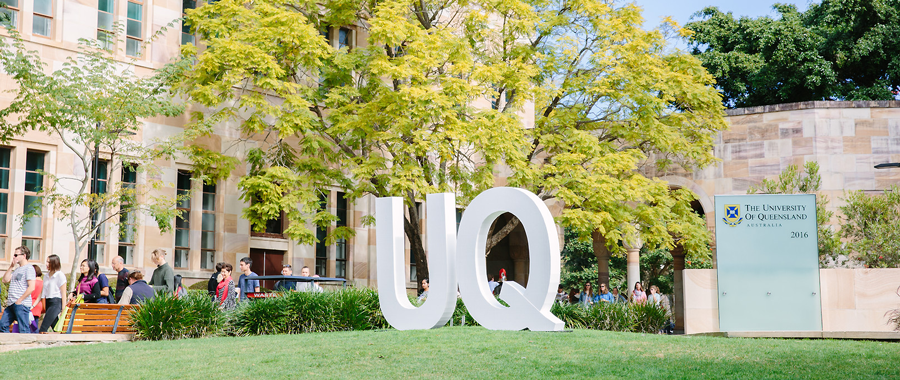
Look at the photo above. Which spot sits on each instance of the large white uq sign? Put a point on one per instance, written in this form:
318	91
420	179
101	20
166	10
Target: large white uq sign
459	260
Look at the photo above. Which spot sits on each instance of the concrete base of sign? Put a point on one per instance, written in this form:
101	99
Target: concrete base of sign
858	335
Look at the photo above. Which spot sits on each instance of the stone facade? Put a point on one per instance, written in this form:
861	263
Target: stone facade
232	236
847	139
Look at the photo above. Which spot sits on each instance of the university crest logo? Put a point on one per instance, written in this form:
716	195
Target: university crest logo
732	215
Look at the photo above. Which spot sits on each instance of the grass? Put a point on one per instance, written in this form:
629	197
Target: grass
462	352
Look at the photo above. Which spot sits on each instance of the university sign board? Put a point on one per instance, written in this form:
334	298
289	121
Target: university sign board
458	259
767	263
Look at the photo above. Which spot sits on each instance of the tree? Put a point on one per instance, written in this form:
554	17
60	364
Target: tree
793	181
870	228
435	101
393	117
91	105
836	50
614	109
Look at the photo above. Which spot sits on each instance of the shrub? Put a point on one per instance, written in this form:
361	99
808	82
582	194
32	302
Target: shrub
623	317
302	312
167	317
199	285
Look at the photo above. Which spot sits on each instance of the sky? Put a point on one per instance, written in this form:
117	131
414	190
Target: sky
681	10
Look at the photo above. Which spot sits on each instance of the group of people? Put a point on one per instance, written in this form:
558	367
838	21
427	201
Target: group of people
31	294
587	297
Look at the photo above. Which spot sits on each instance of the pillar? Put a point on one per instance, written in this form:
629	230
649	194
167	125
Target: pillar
602	254
678	291
633	258
518	252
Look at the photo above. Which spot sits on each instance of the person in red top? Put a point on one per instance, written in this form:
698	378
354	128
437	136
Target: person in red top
38	308
225	289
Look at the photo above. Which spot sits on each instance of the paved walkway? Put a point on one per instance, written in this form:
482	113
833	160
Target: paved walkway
866	335
15	342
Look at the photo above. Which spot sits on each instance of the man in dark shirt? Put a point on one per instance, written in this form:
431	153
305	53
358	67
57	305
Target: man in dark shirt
214	280
118	264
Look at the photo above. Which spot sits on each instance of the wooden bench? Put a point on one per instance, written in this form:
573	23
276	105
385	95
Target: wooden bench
96	318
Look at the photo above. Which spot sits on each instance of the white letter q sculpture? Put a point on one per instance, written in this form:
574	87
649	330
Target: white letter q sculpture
464	263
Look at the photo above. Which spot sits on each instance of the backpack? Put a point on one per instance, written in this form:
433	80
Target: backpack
179	289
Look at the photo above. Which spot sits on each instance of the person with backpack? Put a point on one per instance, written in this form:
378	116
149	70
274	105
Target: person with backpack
180	292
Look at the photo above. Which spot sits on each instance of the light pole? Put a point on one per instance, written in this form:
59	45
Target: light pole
92	254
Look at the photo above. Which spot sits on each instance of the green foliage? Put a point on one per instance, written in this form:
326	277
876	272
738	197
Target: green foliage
92	103
808	181
836	50
199	285
625	317
303	312
869	224
165	317
406	114
461	314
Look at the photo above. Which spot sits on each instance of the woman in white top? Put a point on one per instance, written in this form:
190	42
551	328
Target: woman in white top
54	294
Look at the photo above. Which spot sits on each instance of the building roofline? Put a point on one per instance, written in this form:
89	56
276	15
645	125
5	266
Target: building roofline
813	105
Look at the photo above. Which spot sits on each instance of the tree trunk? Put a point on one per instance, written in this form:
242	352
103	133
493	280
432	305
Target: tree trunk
416	248
496	237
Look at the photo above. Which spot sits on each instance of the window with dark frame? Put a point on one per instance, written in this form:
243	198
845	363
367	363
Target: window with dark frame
127	226
321	248
106	11
340	251
99	186
412	256
33	230
42	23
5	161
134	33
186	36
344	38
182	221
208	228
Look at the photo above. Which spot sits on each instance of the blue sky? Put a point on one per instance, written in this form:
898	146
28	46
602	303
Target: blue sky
681	10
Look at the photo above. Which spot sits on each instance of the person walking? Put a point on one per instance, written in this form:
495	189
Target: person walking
88	283
163	278
122	282
54	294
247	286
38	307
21	278
225	289
214	281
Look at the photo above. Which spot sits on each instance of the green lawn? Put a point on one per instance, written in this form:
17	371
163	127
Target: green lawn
462	352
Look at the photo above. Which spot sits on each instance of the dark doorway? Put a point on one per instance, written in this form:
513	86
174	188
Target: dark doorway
266	263
510	254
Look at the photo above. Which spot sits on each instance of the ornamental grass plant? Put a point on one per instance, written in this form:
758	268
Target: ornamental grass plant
305	312
624	317
166	317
